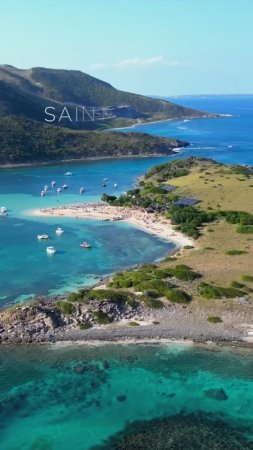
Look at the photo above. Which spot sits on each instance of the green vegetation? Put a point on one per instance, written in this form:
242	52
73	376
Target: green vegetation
133	324
236	252
238	217
85	326
211	291
66	307
214	319
245	229
183	272
173	169
148	276
27	141
177	296
151	302
102	318
190	219
153	281
110	295
248	278
238	285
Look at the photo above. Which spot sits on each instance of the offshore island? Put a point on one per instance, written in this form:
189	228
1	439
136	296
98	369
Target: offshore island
202	293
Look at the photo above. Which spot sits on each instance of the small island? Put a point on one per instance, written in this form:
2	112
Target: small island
202	293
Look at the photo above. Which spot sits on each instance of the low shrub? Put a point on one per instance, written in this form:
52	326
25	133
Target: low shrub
66	307
236	252
184	273
85	326
238	285
209	291
248	278
75	297
108	294
133	324
102	318
152	302
177	296
214	319
158	286
245	229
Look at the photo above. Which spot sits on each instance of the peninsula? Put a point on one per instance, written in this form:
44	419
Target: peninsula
202	293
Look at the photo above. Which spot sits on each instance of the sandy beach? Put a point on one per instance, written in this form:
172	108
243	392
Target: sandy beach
150	223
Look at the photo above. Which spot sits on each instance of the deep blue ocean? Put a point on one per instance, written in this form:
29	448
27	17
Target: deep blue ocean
63	397
227	139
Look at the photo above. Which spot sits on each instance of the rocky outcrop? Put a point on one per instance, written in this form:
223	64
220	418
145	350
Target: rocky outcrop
43	321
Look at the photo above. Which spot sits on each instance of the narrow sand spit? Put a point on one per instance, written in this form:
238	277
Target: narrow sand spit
151	223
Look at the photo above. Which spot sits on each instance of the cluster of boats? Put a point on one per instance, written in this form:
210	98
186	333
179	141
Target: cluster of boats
59	189
52	250
104	184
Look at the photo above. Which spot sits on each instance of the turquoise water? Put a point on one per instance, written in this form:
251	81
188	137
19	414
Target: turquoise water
78	396
25	268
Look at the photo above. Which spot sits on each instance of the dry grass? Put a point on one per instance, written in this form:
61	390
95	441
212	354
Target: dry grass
217	188
211	260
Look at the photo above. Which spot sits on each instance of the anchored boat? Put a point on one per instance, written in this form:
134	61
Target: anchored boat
85	245
51	250
59	230
42	237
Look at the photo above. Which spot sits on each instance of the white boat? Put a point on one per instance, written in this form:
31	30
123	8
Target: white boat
59	230
43	193
3	211
115	185
51	250
58	190
65	186
85	245
46	188
82	190
105	179
68	174
53	183
42	237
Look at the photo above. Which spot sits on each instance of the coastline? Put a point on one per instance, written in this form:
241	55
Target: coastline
174	152
141	122
153	224
101	158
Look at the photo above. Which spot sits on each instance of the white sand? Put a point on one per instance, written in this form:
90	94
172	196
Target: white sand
151	223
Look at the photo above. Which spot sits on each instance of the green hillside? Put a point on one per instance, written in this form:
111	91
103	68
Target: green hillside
26	93
27	141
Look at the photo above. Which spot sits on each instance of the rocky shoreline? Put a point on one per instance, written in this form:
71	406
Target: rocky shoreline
44	321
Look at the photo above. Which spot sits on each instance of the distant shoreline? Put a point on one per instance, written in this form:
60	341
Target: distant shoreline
83	160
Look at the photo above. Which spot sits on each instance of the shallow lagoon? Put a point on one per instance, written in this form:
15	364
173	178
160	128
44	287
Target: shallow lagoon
78	396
